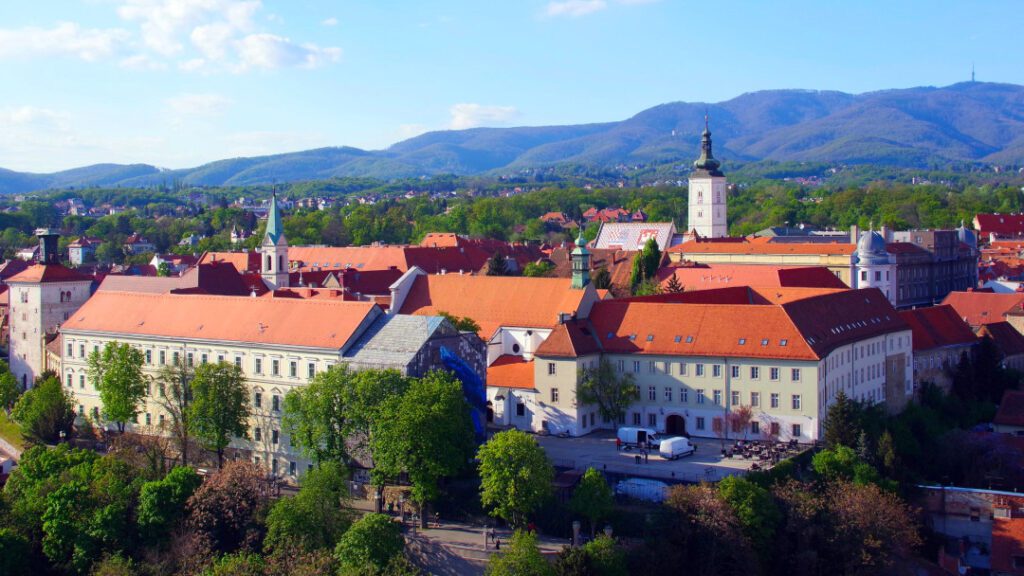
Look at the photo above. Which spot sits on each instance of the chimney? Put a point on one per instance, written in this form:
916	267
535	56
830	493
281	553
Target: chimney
854	234
48	253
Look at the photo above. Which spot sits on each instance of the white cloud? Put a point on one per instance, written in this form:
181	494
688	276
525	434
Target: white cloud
34	117
64	39
271	51
332	21
141	62
163	23
198	104
574	8
468	115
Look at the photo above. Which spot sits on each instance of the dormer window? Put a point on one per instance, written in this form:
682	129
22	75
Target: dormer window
650	337
632	337
743	341
783	342
678	339
689	339
764	342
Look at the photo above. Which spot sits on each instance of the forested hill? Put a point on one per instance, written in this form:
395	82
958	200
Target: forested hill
915	127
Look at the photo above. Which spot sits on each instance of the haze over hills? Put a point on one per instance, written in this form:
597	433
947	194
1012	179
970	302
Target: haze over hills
966	122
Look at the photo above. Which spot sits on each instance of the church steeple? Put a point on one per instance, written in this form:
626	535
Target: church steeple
274	266
274	228
707	161
580	258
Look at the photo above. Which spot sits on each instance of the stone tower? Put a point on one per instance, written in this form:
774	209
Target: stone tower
707	203
274	250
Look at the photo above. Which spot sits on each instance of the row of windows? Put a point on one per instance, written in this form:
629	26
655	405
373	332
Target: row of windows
735	397
700	423
699	369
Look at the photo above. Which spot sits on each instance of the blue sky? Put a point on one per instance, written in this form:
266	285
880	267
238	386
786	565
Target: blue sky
176	83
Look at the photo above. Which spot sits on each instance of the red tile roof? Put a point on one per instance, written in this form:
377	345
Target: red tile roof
215	277
511	372
494	301
718	276
1003	225
49	273
242	261
570	340
979	308
936	327
1007	544
1011	409
12	267
801	325
329	324
1005	337
749	247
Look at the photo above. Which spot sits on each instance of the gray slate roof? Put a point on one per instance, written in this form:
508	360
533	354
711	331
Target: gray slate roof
392	341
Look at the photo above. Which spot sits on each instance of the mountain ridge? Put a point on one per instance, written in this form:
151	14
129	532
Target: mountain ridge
972	122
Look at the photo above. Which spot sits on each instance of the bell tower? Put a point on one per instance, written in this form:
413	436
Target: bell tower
580	257
274	250
706	209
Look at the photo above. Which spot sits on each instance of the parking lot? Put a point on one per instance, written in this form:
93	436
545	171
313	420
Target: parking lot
597	450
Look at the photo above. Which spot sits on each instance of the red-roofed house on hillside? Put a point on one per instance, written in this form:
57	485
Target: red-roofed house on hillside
42	297
979	308
1009	418
999	226
697	356
137	244
941	338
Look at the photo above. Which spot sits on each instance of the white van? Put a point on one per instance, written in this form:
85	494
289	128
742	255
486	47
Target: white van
635	436
677	447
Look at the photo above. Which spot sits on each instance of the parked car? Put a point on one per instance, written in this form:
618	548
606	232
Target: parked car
631	437
642	489
675	448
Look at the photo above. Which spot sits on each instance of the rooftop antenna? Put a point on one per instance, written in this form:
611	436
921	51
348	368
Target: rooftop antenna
972	71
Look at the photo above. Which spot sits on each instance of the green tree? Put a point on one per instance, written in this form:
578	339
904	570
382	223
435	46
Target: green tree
224	511
673	286
592	498
497	265
163	269
315	416
515	475
754	508
220	406
842	422
538	269
426	432
9	389
317	516
842	464
606	557
887	457
521	557
463	324
44	411
174	385
373	540
162	502
602	279
238	564
645	263
612	391
15	552
116	372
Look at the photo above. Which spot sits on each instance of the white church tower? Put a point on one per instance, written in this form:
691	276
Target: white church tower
274	250
706	208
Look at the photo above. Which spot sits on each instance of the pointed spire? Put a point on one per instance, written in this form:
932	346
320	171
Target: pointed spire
707	160
274	227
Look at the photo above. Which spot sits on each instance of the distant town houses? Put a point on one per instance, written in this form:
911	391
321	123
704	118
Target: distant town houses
137	244
82	250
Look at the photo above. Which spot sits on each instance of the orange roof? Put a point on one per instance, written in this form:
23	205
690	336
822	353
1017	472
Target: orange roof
441	240
242	261
1005	337
1007	544
359	257
979	308
570	340
285	321
494	301
511	372
1011	409
746	247
802	325
937	326
49	273
717	276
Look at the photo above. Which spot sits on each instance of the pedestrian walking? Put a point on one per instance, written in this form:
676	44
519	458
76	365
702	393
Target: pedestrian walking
497	544
618	444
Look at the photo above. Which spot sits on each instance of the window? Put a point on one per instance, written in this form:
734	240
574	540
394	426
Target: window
81	410
668	394
652	393
274	436
81	380
174	358
257	400
161	420
95	413
520	409
189	358
620	365
717	396
796	431
783	342
204	358
735	400
81	350
310	370
275	367
163	357
700	369
773	373
773	428
734	371
258	365
149	419
70	380
716	370
551	368
682	368
554	394
238	362
257	434
636	366
796	374
743	341
70	348
684	396
651	367
700	422
636	418
275	403
755	399
293	369
149	356
700	395
755	372
652	420
291	468
774	400
755	427
220	358
796	401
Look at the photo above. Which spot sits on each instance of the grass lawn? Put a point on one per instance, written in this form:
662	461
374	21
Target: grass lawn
11	431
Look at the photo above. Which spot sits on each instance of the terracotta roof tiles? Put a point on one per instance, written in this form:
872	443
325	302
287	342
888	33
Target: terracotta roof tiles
1007	339
49	273
936	327
510	371
979	308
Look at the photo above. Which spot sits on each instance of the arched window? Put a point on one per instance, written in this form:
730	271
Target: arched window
280	263
270	262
